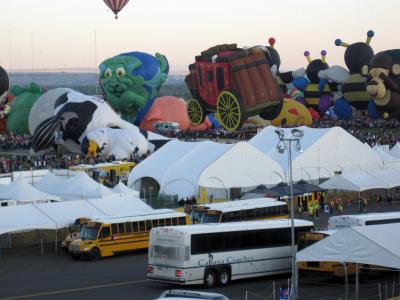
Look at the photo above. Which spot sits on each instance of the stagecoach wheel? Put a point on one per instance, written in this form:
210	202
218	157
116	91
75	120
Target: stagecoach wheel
224	277
196	111
94	254
230	110
210	278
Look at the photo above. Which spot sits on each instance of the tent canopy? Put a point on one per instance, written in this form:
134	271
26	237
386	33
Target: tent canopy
284	190
369	245
21	191
395	151
259	192
362	181
61	214
306	187
323	152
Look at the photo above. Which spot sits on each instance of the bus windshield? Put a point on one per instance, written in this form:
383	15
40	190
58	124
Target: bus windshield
212	218
89	232
197	216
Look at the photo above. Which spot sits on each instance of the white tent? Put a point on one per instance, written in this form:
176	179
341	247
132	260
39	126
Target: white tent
64	213
182	177
156	165
121	188
80	186
61	214
23	217
395	151
391	177
359	182
323	152
369	245
119	204
49	182
388	159
243	165
20	191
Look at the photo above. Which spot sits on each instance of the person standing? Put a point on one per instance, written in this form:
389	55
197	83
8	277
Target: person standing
349	203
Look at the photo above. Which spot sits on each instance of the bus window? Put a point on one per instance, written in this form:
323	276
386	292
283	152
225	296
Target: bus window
135	226
155	223
105	232
114	229
167	222
121	228
199	244
182	221
128	227
162	222
148	225
141	226
174	221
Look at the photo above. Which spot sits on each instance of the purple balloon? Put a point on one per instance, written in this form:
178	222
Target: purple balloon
301	100
324	103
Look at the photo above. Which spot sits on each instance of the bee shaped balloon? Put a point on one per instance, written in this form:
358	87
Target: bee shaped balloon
275	62
317	89
353	90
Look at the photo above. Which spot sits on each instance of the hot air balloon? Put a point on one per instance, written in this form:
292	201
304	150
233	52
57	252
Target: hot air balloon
116	5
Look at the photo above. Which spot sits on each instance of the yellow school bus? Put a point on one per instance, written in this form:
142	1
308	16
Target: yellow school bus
106	236
121	168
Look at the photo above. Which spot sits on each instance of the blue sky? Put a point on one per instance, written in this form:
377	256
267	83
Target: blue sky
61	32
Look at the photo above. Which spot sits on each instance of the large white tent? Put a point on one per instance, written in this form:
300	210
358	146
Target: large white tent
241	166
119	204
323	153
370	245
23	192
182	178
156	165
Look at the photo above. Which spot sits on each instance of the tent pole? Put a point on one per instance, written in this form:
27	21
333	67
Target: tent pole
346	282
56	248
357	281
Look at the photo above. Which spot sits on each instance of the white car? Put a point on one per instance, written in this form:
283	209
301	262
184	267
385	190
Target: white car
193	295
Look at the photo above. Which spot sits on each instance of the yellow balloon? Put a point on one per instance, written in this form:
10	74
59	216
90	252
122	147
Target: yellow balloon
293	113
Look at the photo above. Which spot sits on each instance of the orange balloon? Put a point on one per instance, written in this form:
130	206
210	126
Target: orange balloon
171	109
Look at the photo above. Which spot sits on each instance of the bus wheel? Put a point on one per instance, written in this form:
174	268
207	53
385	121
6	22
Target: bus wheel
210	278
224	277
94	254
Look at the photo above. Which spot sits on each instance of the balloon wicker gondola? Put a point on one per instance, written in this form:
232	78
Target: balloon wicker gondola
235	83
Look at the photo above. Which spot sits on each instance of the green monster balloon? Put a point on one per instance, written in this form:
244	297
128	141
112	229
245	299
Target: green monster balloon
131	81
25	97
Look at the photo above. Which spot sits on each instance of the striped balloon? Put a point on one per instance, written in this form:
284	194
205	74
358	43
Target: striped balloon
44	135
116	5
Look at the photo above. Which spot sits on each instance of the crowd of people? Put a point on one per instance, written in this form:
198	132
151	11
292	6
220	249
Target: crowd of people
366	130
373	132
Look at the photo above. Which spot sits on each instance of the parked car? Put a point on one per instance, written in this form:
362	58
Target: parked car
185	294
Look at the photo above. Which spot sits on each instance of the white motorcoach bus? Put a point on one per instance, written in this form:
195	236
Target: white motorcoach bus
343	221
215	254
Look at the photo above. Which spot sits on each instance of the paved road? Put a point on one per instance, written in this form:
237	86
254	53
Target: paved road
28	275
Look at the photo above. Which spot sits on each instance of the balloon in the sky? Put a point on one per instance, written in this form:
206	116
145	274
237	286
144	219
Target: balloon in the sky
116	5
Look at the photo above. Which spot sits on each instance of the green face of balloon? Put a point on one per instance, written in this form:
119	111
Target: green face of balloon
25	97
131	81
125	93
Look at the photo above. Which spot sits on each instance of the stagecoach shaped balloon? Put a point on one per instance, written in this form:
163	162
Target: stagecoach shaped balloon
116	5
75	116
